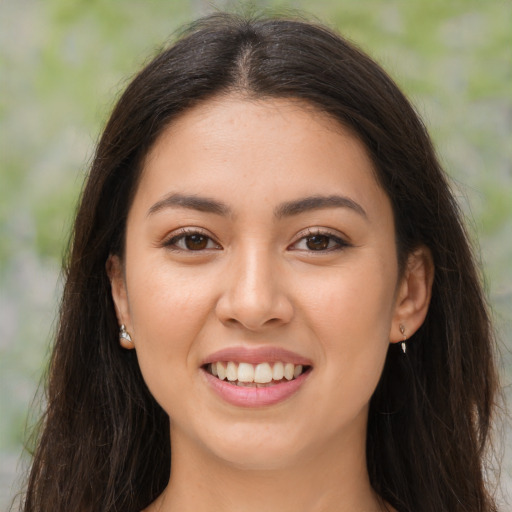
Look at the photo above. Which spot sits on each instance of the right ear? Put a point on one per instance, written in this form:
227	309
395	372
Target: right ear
115	273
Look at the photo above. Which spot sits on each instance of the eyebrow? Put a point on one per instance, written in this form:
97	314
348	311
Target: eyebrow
317	203
287	209
191	202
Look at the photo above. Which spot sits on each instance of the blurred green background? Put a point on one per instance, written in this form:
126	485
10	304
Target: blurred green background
63	63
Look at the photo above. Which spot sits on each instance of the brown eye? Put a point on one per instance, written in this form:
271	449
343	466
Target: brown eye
191	241
196	242
318	242
321	242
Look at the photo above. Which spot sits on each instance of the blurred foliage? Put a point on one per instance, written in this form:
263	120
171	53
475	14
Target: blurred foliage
64	62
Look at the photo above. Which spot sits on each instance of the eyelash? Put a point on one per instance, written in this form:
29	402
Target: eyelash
184	233
339	243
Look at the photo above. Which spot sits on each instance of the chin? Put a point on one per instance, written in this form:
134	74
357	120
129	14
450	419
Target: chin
258	449
251	459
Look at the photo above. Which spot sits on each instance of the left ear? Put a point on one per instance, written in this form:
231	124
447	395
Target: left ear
413	295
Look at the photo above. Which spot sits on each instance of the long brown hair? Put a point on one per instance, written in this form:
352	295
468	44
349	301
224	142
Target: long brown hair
104	441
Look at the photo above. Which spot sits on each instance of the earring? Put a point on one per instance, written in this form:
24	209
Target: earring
402	330
124	338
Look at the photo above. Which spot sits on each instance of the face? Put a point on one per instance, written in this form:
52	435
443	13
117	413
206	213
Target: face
259	238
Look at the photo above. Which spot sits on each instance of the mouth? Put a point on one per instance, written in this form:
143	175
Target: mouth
261	375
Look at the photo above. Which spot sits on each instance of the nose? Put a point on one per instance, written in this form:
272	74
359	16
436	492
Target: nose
254	294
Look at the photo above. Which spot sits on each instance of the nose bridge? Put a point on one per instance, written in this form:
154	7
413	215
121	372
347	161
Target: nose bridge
253	287
254	295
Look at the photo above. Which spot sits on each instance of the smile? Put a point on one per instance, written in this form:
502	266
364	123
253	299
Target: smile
255	375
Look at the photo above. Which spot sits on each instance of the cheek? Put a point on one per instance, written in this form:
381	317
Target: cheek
354	303
352	323
166	299
168	310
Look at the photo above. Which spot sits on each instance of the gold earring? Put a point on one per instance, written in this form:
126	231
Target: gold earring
402	330
124	337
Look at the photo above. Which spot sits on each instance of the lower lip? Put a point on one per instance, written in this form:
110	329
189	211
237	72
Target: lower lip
242	396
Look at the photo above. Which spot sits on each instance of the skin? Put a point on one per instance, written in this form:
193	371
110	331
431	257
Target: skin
257	282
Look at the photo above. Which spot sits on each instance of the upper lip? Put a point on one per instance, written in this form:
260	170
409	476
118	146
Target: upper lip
256	355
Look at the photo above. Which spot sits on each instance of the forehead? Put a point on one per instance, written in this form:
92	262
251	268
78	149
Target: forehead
258	149
231	119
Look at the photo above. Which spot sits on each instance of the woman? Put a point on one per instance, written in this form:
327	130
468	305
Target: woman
271	302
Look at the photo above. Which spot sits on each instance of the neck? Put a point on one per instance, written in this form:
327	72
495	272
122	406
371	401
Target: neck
327	480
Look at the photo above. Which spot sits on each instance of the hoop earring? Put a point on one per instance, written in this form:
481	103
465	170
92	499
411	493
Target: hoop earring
124	337
402	330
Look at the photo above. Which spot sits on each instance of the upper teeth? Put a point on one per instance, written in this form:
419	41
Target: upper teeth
261	373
